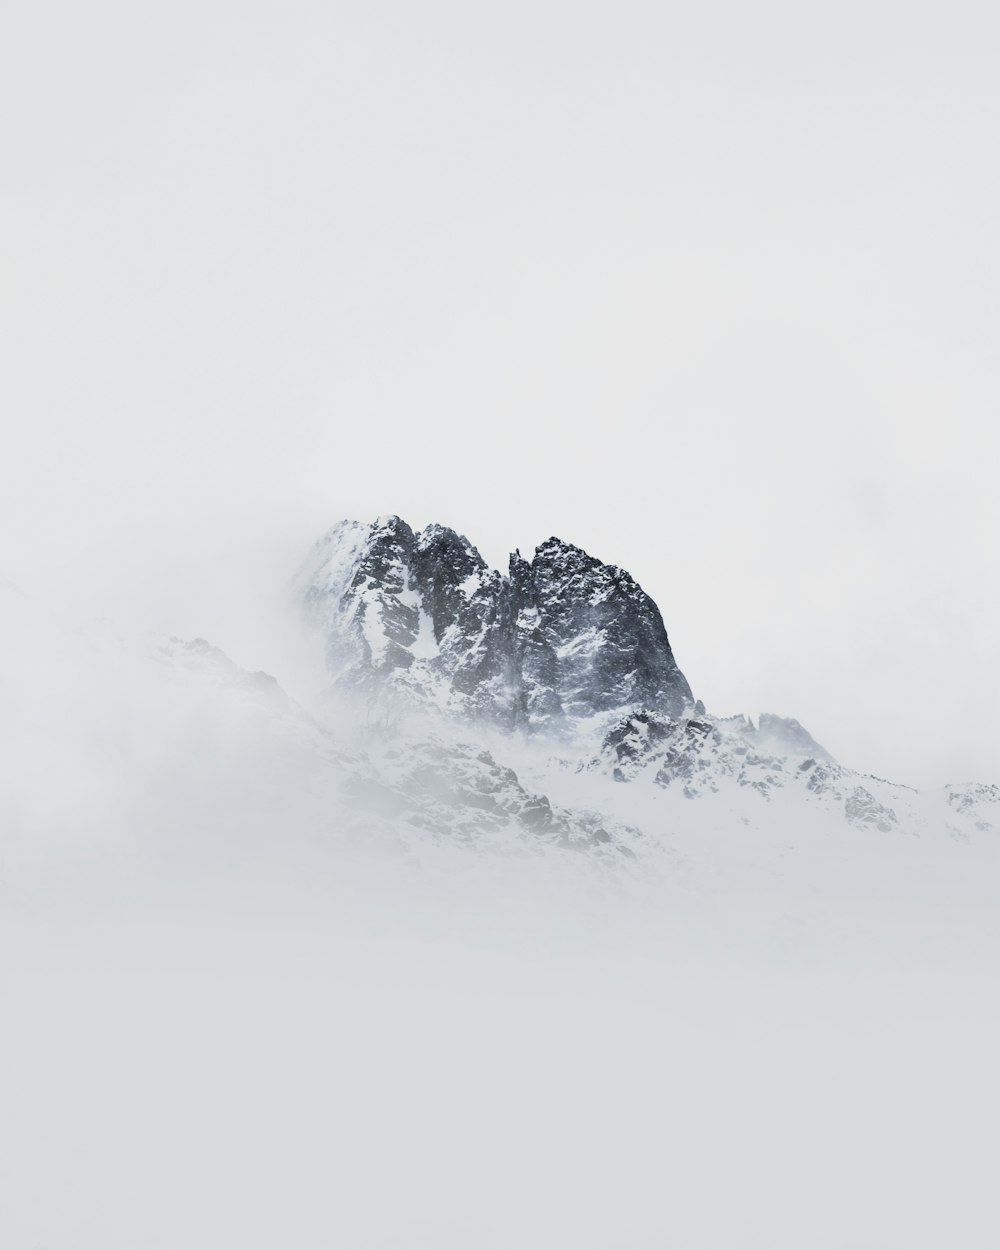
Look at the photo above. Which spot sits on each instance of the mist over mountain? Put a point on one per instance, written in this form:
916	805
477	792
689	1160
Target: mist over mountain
462	712
493	905
571	654
366	886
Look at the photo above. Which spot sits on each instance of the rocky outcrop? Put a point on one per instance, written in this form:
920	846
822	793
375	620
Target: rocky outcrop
566	646
699	754
562	639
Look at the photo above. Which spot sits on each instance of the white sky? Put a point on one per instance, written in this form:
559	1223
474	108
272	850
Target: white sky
711	290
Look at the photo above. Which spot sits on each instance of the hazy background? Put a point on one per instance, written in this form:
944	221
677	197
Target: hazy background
710	290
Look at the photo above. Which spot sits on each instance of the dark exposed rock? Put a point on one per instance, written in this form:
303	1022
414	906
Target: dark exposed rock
606	634
561	639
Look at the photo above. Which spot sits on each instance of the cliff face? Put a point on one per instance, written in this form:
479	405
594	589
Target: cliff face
562	639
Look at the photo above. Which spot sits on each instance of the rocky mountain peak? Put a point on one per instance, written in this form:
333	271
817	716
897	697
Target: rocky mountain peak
559	641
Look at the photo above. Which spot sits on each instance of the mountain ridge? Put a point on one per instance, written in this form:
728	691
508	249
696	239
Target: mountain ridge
571	652
562	638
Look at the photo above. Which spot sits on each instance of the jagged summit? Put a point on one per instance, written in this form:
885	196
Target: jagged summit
559	641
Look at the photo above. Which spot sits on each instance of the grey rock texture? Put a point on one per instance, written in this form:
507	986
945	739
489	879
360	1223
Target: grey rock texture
698	754
561	639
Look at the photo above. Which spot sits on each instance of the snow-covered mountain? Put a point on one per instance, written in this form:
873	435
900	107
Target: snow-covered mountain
497	849
564	665
526	714
561	640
